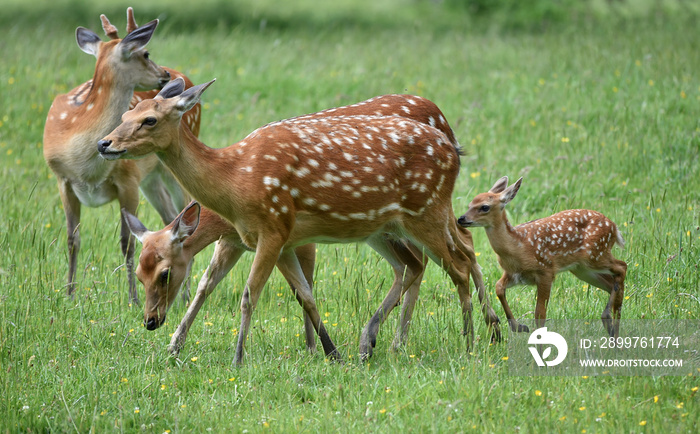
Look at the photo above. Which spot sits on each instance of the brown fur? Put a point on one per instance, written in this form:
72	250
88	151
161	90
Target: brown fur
532	253
77	120
330	179
408	263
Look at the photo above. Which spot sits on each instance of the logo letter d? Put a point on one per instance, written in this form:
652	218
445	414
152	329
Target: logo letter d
543	337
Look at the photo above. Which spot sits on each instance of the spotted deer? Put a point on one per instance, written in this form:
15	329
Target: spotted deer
172	253
328	179
578	240
164	259
78	119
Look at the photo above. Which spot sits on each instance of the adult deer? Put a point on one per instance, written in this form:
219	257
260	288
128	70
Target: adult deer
328	179
78	119
532	253
162	251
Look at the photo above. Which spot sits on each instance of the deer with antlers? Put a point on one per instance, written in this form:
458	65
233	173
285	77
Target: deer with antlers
330	179
165	253
78	119
579	241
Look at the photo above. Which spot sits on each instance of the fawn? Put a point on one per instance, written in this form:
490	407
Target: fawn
532	253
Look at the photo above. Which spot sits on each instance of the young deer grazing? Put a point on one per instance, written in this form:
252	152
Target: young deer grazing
167	253
532	253
78	119
171	253
329	179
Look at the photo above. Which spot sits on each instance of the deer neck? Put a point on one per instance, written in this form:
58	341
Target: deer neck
206	173
108	98
504	238
211	228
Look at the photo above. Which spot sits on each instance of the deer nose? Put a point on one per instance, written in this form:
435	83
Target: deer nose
152	323
462	221
102	146
165	80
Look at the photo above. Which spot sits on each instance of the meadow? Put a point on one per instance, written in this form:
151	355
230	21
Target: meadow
597	111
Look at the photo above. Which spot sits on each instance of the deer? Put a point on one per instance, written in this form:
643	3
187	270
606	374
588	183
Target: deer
172	252
78	119
329	179
533	253
164	259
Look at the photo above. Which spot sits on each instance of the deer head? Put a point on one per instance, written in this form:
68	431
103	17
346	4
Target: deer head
125	59
162	275
153	124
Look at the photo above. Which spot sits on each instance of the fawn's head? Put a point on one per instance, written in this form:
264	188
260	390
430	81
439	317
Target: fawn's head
125	59
486	207
163	262
153	125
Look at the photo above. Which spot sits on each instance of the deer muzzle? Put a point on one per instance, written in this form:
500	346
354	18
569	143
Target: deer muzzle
106	152
153	322
464	222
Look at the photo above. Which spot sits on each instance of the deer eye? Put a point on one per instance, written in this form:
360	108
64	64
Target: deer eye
150	121
165	277
485	208
146	54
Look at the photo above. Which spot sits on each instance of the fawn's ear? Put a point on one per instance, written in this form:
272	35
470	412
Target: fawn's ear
186	223
510	192
500	185
137	39
191	96
87	40
135	226
174	88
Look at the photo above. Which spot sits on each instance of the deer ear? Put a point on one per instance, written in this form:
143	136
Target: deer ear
500	185
186	223
191	96
138	38
510	192
88	41
135	226
173	88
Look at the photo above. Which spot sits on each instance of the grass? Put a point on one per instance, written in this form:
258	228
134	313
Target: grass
599	113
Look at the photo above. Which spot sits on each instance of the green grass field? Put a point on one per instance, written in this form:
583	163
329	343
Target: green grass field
599	111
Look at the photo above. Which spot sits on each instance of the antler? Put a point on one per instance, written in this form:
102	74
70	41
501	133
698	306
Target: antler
130	22
110	30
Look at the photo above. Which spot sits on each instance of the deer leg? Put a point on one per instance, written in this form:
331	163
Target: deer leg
611	320
153	187
128	196
406	269
128	245
439	248
289	265
464	239
185	288
265	257
504	283
411	297
179	197
544	287
620	276
613	284
307	260
71	208
605	282
226	254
